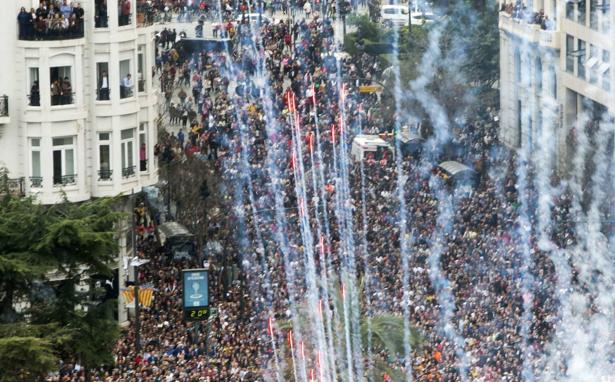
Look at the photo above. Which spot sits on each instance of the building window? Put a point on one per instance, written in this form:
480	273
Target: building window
517	63
581	58
101	18
538	75
581	7
36	180
104	156
593	14
102	77
141	68
592	63
143	147
553	81
604	8
127	147
604	70
124	12
519	123
64	161
570	10
126	82
570	54
35	90
61	85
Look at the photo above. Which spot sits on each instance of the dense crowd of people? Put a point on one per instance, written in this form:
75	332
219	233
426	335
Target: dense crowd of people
274	116
51	20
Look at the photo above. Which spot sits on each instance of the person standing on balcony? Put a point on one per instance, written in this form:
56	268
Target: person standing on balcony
23	19
66	9
142	157
35	95
67	92
124	12
78	13
56	93
127	85
103	87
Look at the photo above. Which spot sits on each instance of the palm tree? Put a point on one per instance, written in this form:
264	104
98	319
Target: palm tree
384	331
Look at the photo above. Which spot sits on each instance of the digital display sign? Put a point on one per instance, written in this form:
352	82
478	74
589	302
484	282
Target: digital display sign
195	294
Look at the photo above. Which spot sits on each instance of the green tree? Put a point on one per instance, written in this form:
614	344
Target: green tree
70	241
25	358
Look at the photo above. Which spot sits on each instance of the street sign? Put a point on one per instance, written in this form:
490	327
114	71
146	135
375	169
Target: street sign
195	299
370	89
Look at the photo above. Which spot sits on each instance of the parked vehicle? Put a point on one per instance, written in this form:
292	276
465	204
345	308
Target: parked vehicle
363	145
398	15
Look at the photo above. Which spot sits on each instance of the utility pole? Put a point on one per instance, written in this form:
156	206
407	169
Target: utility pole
409	22
136	275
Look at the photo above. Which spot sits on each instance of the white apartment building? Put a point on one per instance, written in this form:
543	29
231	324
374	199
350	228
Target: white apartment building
553	71
97	137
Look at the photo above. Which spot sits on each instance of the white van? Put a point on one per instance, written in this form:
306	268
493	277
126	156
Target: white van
364	144
394	15
398	15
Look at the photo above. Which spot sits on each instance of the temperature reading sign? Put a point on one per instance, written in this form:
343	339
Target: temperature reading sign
195	294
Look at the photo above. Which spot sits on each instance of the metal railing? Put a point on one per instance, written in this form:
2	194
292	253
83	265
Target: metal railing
43	29
34	99
4	106
64	180
36	181
123	20
60	100
101	22
128	171
105	174
143	165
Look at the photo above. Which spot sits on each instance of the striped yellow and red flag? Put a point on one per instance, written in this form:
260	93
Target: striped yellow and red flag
146	296
129	295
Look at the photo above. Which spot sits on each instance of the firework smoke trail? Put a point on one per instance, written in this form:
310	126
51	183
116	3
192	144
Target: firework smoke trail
367	277
404	243
273	129
340	217
306	232
246	175
561	346
524	232
333	317
593	305
318	182
441	285
346	229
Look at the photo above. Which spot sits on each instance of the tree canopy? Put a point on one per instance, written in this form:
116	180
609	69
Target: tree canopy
71	241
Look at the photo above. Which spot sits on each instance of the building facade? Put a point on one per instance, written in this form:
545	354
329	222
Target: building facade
555	60
78	105
82	105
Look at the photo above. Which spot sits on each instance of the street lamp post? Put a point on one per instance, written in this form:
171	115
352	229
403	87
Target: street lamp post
136	276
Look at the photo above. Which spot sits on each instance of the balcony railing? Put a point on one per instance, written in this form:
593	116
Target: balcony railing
128	171
529	31
49	29
4	106
12	186
62	99
36	181
64	180
143	165
123	20
105	174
